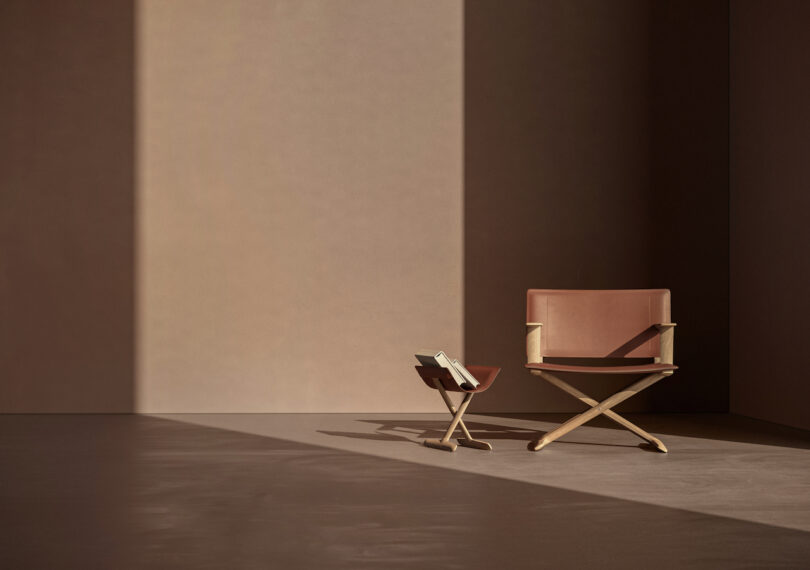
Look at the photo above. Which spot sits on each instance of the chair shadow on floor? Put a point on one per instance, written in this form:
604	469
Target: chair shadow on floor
416	431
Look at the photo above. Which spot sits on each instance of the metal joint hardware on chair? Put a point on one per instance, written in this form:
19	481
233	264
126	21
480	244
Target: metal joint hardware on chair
441	380
599	324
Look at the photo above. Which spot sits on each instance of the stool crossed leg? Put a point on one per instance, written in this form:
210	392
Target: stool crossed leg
467	440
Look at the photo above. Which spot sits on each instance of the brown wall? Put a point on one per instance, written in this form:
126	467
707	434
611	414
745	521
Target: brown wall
690	196
770	182
596	157
66	206
300	203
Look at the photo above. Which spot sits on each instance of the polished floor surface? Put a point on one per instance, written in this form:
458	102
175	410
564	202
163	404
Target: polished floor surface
359	491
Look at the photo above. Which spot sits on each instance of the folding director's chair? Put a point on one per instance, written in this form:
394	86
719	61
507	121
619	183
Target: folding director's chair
440	379
599	324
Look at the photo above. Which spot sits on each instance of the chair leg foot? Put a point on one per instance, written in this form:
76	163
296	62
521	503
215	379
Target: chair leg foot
659	445
439	444
538	445
474	443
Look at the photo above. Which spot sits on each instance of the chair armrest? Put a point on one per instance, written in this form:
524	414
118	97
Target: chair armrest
667	333
533	353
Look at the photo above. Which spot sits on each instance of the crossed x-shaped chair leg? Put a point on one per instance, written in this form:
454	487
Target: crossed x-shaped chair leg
598	408
467	440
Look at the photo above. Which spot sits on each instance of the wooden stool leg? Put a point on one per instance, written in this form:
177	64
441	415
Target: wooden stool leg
585	399
445	443
439	444
600	408
467	440
474	443
449	403
457	418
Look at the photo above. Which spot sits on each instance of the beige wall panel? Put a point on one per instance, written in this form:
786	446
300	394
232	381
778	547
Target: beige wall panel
299	203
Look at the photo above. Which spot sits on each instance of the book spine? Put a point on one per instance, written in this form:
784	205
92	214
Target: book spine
466	373
442	359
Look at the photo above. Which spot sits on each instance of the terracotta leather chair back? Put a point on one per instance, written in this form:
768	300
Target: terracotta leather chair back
598	323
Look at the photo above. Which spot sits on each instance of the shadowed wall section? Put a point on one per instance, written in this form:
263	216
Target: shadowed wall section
770	178
66	206
583	121
689	192
556	170
300	203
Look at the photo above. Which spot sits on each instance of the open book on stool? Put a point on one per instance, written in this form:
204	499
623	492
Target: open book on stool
437	358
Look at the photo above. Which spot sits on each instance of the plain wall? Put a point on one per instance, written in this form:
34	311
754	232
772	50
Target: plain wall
66	206
689	188
596	158
286	154
299	203
770	184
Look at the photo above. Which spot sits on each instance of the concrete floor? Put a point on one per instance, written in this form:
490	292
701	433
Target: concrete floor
359	491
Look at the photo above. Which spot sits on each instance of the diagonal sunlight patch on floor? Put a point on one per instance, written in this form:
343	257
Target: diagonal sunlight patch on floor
746	481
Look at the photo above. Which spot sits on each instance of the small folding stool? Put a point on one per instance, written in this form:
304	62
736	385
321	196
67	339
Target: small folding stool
441	380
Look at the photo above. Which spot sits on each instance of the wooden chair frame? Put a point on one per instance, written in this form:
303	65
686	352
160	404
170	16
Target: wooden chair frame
533	353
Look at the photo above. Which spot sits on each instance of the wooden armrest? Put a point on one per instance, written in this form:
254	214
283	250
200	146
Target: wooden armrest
533	353
666	332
